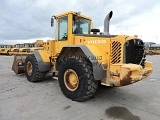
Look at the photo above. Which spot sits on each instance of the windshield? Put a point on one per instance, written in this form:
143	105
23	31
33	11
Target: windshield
81	25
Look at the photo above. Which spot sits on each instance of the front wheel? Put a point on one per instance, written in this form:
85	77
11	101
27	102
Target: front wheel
31	69
76	79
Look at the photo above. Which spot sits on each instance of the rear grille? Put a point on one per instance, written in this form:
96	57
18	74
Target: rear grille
134	52
115	52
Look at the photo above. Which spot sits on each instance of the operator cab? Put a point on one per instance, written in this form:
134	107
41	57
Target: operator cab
71	23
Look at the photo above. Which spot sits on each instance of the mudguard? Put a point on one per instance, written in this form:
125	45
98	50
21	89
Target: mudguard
99	70
43	60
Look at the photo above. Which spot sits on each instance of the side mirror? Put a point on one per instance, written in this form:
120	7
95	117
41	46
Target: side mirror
52	21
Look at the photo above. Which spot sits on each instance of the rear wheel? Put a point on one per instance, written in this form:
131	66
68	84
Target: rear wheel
76	79
31	69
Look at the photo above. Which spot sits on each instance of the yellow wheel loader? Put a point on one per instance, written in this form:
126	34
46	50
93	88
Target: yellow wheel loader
5	50
154	49
83	56
20	56
13	51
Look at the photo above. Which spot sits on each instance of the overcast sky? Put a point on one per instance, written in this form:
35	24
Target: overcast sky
28	20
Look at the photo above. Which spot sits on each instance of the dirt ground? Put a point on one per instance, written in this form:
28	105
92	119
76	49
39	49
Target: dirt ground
22	100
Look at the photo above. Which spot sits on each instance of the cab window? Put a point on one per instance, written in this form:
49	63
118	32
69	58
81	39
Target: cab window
63	28
80	25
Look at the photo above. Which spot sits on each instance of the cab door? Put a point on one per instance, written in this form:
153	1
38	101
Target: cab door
62	35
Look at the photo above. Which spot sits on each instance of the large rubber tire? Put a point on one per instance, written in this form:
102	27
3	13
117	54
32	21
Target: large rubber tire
87	85
36	75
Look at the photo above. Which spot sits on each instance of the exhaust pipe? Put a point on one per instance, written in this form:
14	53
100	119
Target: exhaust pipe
106	23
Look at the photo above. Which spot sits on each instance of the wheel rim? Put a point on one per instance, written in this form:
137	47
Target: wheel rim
71	80
29	68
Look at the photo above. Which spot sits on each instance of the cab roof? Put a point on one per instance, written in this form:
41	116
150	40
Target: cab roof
72	12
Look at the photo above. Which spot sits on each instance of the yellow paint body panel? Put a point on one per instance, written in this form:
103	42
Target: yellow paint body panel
125	74
100	50
98	55
44	55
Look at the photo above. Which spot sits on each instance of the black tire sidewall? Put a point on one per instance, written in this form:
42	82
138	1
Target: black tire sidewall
30	58
79	68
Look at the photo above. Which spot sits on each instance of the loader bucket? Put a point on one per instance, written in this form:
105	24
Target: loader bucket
18	63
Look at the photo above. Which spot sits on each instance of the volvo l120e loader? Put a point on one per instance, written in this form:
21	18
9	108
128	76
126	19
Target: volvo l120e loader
83	57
